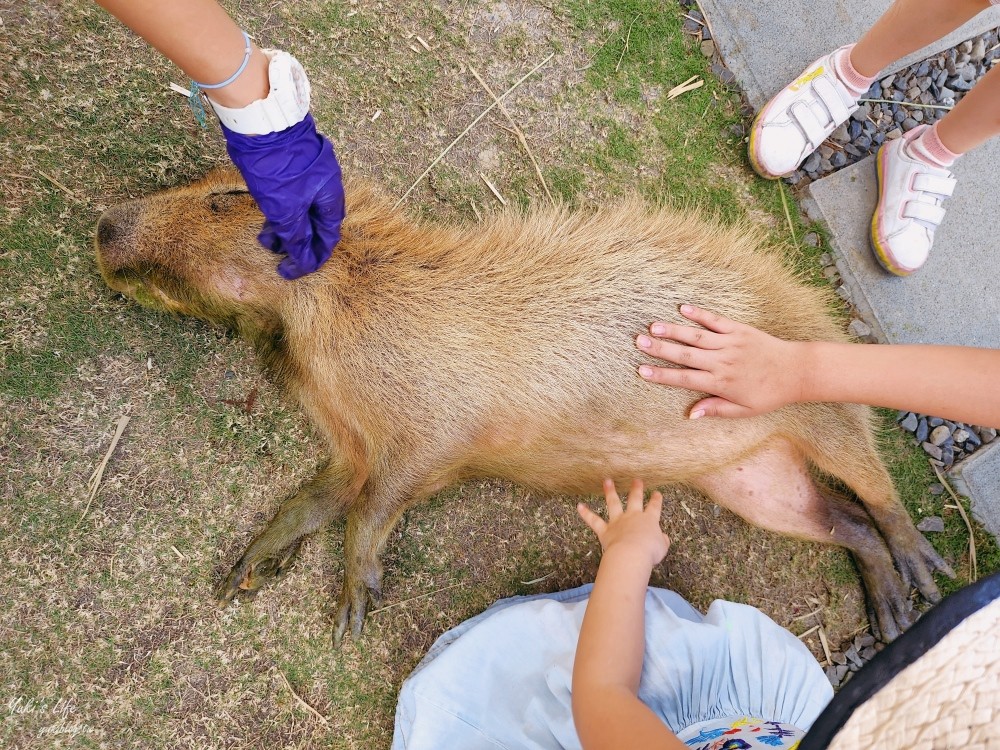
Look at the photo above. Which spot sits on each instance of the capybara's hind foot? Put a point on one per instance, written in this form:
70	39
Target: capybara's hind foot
917	566
890	611
251	574
915	558
352	609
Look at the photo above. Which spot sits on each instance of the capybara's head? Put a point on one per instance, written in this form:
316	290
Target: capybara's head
192	250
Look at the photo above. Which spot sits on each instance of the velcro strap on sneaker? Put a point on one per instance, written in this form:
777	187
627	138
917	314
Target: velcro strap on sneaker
936	184
832	98
814	131
927	212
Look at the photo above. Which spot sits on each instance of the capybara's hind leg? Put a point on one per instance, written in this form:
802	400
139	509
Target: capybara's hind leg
317	503
772	488
369	523
847	451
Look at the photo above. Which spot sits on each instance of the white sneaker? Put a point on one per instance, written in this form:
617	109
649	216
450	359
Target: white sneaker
799	118
910	194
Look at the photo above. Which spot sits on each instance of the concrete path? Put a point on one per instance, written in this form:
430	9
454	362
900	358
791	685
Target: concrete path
955	299
766	44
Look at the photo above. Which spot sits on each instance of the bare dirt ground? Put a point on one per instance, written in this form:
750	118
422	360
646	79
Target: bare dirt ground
109	633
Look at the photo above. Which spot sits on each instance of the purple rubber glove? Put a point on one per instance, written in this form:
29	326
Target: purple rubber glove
295	179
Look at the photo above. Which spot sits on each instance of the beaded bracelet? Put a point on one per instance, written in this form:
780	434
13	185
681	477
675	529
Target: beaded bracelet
194	97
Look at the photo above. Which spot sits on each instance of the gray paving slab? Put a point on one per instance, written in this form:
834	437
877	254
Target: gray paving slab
953	299
766	44
981	477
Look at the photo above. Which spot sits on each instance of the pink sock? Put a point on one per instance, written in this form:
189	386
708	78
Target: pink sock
856	83
928	148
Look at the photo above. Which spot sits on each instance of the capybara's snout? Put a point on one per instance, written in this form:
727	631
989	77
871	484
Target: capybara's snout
115	243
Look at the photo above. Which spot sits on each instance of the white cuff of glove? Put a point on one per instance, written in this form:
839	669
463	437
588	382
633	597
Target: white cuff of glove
287	103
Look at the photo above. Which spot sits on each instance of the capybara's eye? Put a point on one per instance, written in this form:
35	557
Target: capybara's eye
220	202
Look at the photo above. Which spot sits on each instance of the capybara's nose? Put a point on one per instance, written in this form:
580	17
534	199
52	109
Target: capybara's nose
108	230
114	231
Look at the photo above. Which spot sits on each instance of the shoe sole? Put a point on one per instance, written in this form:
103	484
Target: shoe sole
881	252
752	150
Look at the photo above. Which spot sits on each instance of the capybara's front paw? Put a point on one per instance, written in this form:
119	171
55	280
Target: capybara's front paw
352	608
251	574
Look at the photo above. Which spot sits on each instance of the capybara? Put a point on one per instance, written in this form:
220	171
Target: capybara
429	354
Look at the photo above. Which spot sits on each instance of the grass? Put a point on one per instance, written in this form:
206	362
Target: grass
117	614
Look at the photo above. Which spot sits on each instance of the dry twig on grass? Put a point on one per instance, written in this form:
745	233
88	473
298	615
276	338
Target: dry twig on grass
94	483
519	134
493	189
788	215
628	38
809	632
413	598
825	644
973	564
471	125
59	185
298	699
692	83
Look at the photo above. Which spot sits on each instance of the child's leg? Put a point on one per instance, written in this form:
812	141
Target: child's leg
976	118
907	26
797	120
914	180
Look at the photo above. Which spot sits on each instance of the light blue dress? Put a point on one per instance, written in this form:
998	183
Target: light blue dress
502	679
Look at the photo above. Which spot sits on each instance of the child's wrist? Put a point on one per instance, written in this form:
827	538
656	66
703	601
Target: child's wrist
630	556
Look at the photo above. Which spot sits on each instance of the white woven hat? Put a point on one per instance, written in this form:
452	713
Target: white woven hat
936	687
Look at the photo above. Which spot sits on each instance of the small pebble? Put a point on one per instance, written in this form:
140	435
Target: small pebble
936	489
932	524
940	434
935	421
910	424
859	329
708	48
923	431
932	450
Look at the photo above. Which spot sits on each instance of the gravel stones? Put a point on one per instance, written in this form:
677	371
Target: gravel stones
944	441
898	103
859	652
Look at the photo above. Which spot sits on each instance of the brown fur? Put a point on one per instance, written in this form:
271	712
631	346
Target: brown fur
428	354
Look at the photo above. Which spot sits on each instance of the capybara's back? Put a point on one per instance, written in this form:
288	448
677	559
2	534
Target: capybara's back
430	353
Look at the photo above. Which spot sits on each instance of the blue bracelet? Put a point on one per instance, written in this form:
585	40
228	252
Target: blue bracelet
194	97
234	76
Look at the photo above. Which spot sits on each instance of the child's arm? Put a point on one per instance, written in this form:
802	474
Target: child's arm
201	38
751	372
609	654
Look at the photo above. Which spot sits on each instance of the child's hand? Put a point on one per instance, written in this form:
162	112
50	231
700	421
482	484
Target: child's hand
633	528
748	371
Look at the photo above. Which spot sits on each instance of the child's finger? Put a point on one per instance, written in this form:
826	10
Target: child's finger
612	500
711	321
655	504
594	521
635	496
